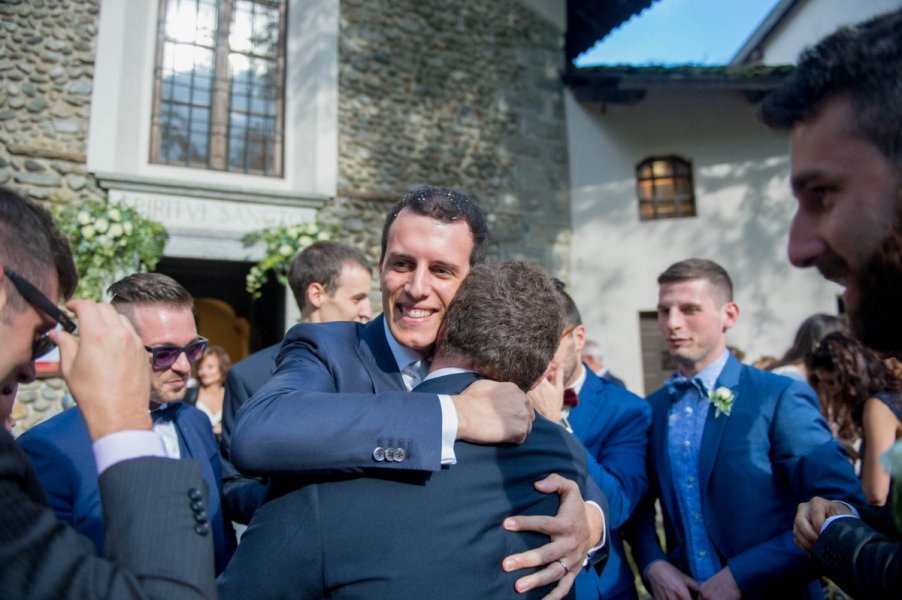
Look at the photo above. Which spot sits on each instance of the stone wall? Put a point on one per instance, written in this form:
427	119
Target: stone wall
46	68
462	94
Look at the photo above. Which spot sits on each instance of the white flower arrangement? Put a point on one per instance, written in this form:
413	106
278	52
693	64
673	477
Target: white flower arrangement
282	243
108	240
722	399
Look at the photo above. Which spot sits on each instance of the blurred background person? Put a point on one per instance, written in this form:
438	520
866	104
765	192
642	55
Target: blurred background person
210	391
810	332
593	356
860	397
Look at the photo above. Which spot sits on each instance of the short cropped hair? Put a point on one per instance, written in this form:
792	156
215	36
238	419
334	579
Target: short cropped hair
505	321
32	245
700	268
447	205
148	288
861	63
572	318
322	262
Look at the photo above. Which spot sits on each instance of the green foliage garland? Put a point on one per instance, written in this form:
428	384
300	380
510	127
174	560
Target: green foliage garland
282	243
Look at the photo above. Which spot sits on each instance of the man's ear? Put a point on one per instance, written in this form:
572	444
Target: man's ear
315	294
579	338
730	315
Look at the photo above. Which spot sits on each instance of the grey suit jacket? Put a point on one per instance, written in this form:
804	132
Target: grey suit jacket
151	550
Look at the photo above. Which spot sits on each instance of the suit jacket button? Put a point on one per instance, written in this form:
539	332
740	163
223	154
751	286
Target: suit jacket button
197	505
400	454
201	516
390	454
201	529
379	454
195	494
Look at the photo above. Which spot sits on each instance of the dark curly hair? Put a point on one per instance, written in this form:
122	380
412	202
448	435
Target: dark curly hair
861	63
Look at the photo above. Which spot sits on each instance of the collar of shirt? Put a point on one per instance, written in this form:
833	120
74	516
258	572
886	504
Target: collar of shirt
402	354
709	374
447	371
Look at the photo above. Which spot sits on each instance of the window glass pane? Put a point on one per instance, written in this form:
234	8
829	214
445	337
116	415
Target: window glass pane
266	31
661	168
242	26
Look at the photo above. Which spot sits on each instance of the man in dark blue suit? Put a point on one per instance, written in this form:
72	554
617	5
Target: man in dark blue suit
612	425
732	451
319	410
330	282
843	106
159	309
434	535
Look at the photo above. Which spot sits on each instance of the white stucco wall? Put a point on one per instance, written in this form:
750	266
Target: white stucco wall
743	206
810	20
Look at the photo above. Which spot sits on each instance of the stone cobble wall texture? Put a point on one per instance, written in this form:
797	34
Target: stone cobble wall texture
465	94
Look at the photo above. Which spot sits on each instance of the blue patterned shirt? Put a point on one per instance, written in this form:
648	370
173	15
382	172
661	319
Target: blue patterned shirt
686	424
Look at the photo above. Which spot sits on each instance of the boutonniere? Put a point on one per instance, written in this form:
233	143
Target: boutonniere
722	399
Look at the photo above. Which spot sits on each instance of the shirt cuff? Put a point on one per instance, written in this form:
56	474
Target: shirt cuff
125	445
604	534
836	518
449	429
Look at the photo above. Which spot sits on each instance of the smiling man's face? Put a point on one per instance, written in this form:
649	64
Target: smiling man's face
847	223
425	262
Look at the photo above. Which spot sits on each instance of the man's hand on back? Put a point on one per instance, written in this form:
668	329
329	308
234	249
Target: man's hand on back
489	412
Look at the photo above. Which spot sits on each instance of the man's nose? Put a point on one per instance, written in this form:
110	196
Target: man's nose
181	364
805	246
418	284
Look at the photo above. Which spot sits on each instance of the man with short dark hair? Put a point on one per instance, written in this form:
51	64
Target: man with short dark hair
732	451
612	425
146	496
330	282
409	534
843	107
319	410
160	310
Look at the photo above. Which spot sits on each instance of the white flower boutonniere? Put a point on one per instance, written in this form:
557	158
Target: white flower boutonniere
722	399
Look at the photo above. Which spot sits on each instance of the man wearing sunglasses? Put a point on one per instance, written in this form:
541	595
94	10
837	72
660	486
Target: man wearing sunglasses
145	495
160	310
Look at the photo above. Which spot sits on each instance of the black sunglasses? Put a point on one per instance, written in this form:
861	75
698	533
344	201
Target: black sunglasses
163	357
36	298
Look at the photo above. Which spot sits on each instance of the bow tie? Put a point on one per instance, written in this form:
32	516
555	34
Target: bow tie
680	385
571	398
166	412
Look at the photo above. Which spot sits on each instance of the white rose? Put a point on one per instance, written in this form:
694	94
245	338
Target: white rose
83	217
286	250
87	232
114	214
305	241
101	225
115	230
104	241
127	228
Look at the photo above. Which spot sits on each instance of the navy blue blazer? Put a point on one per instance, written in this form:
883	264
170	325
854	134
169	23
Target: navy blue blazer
242	494
61	452
298	423
612	424
756	465
405	534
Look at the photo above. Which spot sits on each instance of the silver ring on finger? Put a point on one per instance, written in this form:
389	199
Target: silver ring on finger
563	564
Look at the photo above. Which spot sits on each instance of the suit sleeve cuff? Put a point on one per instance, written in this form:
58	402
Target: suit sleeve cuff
125	445
449	429
604	534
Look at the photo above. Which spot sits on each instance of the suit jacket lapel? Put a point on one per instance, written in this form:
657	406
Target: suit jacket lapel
660	426
189	445
377	357
715	425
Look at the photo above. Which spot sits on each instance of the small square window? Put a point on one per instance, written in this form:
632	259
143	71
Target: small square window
664	188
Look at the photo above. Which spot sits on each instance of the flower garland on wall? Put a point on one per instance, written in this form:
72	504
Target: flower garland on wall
282	243
109	240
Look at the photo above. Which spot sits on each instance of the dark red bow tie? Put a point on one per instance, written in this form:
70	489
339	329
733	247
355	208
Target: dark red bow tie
571	398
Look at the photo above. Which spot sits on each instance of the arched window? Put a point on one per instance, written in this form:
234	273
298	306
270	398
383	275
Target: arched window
665	189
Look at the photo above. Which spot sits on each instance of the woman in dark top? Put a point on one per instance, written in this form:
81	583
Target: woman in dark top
862	397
